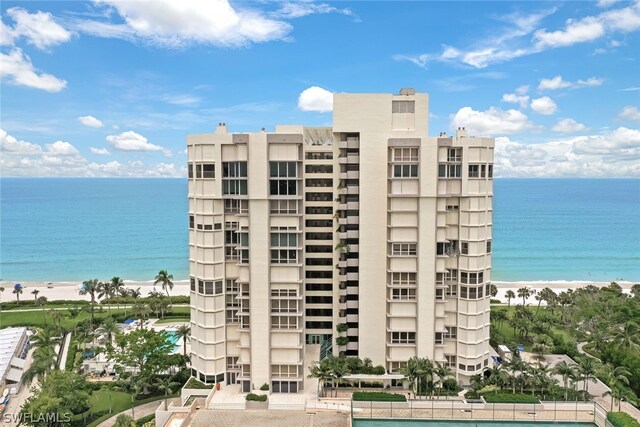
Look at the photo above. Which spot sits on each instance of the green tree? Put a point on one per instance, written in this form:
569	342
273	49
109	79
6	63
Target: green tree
184	332
140	311
588	368
321	370
17	290
91	288
165	280
509	295
565	370
443	372
42	302
35	293
61	395
409	372
615	378
145	352
524	293
124	420
627	336
167	386
109	328
542	344
493	290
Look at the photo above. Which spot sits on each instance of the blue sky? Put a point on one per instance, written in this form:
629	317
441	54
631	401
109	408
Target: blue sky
111	88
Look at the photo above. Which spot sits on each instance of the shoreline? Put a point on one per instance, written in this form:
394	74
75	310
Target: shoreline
69	290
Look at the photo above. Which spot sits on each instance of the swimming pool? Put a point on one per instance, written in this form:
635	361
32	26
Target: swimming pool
467	423
172	337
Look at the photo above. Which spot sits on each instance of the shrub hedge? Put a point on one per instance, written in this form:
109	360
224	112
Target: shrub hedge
142	421
175	299
256	397
378	396
195	383
622	419
505	397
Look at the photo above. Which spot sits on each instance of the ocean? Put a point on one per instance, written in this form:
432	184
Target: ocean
75	229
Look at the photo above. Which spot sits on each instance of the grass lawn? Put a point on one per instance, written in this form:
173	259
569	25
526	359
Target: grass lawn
36	318
100	401
174	320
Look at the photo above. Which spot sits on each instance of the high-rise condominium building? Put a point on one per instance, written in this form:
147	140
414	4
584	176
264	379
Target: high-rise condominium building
366	239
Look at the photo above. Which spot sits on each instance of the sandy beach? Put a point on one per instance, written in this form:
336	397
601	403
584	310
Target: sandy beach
70	290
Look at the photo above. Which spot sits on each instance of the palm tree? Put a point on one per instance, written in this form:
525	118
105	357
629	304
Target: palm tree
524	293
91	288
117	287
322	371
35	293
443	372
42	301
565	370
44	360
338	371
140	311
56	317
109	328
17	289
409	372
509	295
588	367
615	378
1	291
183	331
547	295
105	290
167	386
165	279
516	365
627	336
124	420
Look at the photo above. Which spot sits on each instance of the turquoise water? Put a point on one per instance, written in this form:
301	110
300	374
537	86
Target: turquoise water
173	337
75	229
427	423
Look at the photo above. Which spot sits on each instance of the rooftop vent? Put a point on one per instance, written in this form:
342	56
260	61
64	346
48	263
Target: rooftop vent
407	91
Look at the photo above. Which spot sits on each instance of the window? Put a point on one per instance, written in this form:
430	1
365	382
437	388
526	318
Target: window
325	155
279	185
403	249
451	332
192	282
190	170
284	306
403	106
439	338
284	386
474	171
454	154
403	279
232	305
310	274
198	171
405	171
236	206
446	170
453	207
471	278
464	248
284	322
403	294
403	337
315	210
409	154
483	171
284	371
488	246
318	168
208	171
284	256
284	240
315	223
490	171
191	221
318	183
284	207
319	197
447	248
471	292
439	294
234	178
450	360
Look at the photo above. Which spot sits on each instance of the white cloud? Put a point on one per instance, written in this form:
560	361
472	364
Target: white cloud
493	121
630	112
514	98
552	84
521	90
558	82
90	121
516	41
100	151
611	154
132	141
17	69
181	99
39	29
174	24
298	9
568	125
545	106
62	159
606	3
315	98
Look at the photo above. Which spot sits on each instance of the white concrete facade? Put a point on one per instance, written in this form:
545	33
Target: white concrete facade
369	238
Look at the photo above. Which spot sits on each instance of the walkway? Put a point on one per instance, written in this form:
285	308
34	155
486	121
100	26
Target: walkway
581	350
140	411
65	350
